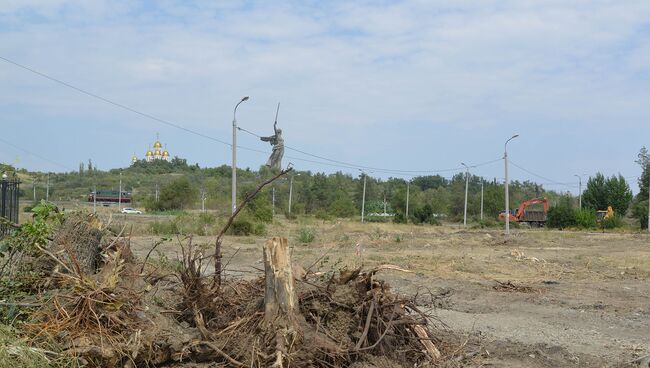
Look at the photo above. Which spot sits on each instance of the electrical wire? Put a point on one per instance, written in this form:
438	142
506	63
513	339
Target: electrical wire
36	155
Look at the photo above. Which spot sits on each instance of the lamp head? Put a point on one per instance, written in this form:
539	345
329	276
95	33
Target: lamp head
245	98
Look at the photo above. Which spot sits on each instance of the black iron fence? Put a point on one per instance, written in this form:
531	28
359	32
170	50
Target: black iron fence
8	203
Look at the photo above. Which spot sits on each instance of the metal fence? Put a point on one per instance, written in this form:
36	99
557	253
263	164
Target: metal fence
8	203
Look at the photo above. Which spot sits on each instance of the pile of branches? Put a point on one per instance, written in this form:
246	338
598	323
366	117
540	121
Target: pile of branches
340	319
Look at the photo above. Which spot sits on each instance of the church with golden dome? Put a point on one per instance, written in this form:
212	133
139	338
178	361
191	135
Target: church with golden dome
158	153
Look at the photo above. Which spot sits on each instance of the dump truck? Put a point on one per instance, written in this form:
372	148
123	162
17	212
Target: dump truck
524	215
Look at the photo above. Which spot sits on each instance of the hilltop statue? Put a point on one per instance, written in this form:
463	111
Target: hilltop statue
275	161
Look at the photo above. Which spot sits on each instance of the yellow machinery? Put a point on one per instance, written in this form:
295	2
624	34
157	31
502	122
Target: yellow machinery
604	215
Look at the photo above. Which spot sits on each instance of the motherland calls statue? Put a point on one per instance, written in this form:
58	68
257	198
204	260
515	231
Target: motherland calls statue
275	161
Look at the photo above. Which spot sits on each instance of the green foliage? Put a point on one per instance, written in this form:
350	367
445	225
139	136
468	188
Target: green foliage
640	212
260	209
241	227
602	192
34	234
399	218
306	235
424	215
613	222
585	218
322	215
178	194
342	207
560	217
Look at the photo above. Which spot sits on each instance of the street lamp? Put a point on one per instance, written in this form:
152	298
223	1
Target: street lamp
579	189
291	191
408	187
505	158
363	200
234	154
119	195
482	182
466	188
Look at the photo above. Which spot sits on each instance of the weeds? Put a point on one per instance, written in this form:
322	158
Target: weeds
306	235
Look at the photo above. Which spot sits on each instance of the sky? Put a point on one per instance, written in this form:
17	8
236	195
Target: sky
415	86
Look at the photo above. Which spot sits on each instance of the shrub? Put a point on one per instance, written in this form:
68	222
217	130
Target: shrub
399	218
306	235
585	218
560	217
259	229
640	211
241	227
342	207
322	215
164	228
613	222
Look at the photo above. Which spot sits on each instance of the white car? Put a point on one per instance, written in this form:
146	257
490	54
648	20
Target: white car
131	211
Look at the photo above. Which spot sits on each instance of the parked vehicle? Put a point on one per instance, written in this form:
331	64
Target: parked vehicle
128	210
523	214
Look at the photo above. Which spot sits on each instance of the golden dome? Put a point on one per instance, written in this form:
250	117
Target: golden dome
157	145
134	158
149	153
165	153
157	153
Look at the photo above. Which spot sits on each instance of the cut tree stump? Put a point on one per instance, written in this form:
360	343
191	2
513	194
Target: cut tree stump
279	297
280	305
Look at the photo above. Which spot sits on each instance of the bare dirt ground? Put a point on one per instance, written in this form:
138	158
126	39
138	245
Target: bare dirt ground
564	298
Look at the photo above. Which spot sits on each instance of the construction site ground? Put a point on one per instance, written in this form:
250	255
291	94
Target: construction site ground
538	298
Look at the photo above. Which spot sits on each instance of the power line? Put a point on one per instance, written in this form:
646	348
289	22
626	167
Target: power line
551	181
175	125
36	155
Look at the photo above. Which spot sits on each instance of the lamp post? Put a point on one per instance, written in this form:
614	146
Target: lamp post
119	195
363	199
291	192
408	187
466	189
579	190
505	158
234	154
482	182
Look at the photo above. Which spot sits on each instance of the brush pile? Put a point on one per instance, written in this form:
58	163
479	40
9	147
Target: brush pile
125	314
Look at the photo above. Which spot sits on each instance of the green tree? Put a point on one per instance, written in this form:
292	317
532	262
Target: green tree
619	195
595	195
640	206
178	194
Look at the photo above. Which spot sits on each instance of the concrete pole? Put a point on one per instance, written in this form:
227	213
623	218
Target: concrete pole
579	190
95	199
47	188
290	193
234	156
119	195
408	185
363	200
273	200
505	159
34	188
481	199
466	190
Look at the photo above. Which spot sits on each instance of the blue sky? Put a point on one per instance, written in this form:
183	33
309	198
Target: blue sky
408	85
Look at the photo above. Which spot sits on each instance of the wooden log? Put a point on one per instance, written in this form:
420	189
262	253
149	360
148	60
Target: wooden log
279	297
431	349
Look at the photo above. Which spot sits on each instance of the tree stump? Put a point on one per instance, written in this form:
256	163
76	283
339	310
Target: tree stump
280	304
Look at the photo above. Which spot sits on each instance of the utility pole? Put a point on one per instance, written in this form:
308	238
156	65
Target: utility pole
505	159
47	188
34	188
273	199
466	189
119	195
203	197
408	185
234	155
482	182
290	193
363	200
156	195
579	190
95	199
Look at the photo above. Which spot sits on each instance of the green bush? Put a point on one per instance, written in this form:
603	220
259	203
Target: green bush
613	222
306	235
585	219
259	229
399	218
164	228
241	227
342	207
322	215
560	217
640	212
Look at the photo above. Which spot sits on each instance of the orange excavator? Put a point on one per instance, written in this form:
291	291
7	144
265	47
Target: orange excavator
532	217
